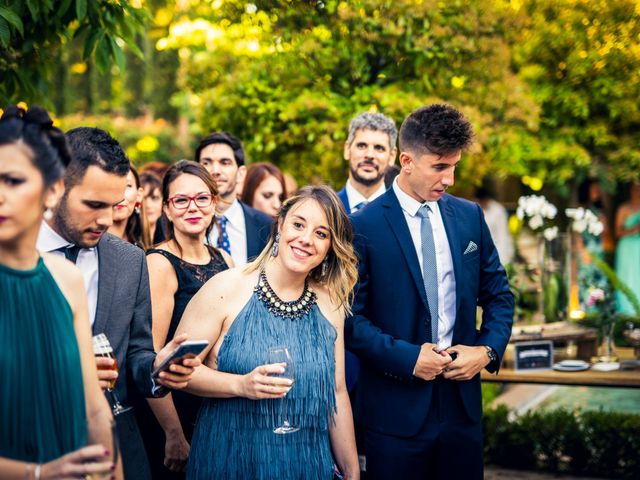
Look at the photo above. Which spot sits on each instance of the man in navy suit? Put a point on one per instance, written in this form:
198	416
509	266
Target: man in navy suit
426	261
370	149
239	230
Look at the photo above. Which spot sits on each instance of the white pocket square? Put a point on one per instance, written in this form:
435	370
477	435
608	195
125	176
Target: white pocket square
472	247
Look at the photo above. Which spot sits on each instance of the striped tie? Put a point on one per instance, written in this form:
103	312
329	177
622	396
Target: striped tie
359	206
429	268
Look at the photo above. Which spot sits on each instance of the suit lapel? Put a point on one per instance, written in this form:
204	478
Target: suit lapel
342	195
250	233
107	276
451	227
398	225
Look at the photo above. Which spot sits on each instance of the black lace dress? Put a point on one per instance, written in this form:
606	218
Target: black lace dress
190	278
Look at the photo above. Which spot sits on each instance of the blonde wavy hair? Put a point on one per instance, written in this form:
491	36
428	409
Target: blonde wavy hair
342	264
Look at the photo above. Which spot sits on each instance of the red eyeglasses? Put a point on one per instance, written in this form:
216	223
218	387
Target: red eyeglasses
181	202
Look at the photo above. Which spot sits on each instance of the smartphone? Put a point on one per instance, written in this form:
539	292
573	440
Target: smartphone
188	349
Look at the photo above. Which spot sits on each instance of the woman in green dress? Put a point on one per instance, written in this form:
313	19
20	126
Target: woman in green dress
628	250
51	405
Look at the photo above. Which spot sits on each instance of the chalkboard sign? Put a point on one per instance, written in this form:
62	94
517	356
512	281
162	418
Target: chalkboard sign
534	355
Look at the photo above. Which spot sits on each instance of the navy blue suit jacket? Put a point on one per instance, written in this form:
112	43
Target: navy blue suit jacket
258	228
391	321
342	195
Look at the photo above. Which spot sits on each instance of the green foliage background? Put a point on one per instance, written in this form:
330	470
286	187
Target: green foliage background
552	87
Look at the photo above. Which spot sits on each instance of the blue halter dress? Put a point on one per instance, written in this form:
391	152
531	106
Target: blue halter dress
234	437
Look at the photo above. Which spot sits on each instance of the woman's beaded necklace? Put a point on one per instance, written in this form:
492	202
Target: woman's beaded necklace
290	310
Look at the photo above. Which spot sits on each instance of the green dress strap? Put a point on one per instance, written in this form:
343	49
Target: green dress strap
42	406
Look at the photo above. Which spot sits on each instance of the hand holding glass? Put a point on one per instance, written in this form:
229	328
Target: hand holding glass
281	355
102	348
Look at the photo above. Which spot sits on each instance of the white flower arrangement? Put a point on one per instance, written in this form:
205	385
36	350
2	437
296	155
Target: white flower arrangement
583	220
535	209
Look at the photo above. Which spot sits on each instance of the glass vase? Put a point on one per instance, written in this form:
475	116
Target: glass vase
606	350
553	268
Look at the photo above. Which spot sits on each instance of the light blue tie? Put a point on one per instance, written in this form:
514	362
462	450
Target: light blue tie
223	238
359	206
429	268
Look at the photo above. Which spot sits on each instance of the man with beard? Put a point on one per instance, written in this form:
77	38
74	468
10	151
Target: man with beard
116	279
240	230
370	149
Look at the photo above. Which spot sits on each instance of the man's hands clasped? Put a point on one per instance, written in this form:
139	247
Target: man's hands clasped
468	363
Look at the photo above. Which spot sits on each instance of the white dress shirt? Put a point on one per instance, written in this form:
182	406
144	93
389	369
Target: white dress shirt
49	241
355	197
237	232
444	262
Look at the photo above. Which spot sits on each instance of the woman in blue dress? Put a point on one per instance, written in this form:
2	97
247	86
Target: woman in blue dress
294	295
51	405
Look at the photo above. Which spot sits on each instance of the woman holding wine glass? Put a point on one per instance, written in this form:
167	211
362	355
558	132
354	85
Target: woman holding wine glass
263	419
52	405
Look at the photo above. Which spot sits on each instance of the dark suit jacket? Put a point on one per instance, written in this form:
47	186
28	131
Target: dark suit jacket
342	195
391	321
258	228
123	314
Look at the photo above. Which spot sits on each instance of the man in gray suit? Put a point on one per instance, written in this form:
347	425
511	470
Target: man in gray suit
116	278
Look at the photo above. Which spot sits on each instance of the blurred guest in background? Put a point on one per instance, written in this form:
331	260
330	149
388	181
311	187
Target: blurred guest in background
155	167
628	251
264	188
152	203
178	268
52	406
129	218
370	149
497	220
240	230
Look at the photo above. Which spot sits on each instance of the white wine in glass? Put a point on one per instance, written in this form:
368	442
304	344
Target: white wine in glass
281	355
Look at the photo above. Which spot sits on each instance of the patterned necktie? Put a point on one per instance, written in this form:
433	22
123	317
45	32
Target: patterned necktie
359	206
70	252
223	237
429	268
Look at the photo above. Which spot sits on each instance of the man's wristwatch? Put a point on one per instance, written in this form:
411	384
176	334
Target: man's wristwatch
491	353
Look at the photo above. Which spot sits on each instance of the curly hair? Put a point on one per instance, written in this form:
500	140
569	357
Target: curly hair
438	129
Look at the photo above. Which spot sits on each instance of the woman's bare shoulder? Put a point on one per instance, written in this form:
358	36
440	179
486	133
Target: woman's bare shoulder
327	305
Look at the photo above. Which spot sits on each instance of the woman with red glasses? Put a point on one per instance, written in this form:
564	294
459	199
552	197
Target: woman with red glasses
178	267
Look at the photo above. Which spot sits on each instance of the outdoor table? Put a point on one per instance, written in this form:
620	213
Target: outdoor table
591	378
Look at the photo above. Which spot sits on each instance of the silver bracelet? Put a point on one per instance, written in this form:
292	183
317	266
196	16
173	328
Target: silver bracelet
36	472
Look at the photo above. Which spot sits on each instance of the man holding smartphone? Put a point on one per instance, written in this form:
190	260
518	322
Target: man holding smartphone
116	278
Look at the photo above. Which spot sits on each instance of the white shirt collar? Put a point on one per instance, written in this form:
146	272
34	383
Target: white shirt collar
410	204
355	197
50	240
234	214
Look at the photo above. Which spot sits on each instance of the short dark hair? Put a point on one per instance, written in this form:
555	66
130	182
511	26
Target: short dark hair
93	146
49	149
256	173
439	129
227	139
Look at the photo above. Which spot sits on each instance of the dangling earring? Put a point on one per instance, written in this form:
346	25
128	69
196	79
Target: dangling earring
48	215
137	208
276	246
325	268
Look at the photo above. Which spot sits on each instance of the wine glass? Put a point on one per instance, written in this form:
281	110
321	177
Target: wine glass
102	348
281	355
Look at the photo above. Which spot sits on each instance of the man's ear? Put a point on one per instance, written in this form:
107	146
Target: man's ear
406	162
347	154
53	194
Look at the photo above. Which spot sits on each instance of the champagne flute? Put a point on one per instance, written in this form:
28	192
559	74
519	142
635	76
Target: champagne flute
281	355
102	348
